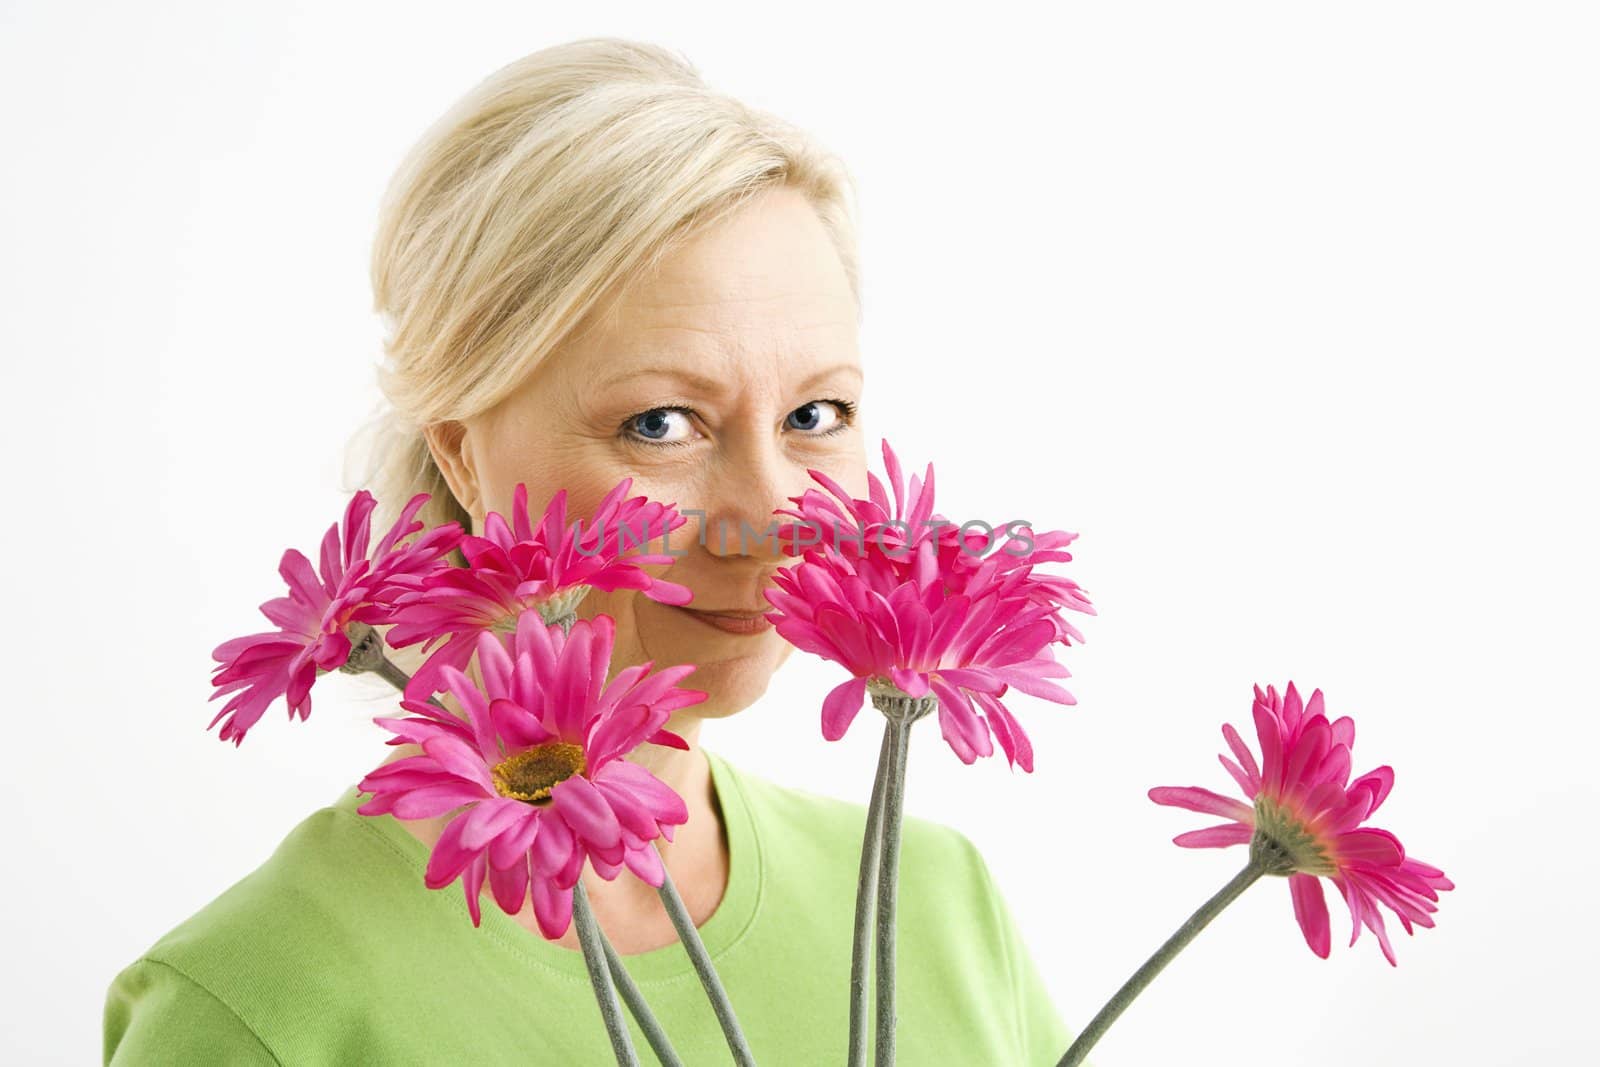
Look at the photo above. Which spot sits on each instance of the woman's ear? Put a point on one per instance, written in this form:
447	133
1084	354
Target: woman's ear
451	446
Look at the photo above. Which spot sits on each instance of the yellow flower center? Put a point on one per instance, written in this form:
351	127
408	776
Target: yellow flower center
530	775
1283	844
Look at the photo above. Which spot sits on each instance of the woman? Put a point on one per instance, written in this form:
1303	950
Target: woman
595	267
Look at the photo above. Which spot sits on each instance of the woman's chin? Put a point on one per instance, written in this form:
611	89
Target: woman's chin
730	685
733	669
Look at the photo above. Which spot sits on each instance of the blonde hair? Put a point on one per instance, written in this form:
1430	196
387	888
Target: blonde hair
532	202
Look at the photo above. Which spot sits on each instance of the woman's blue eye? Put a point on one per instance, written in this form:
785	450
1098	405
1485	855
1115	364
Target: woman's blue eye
825	416
666	425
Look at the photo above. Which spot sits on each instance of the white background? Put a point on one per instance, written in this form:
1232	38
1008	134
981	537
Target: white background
1288	309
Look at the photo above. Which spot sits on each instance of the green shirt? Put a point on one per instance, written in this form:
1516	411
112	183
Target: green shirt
334	952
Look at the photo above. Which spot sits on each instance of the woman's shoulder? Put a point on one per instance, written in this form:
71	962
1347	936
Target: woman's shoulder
326	872
275	945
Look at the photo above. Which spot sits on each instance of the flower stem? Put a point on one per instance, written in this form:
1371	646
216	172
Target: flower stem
366	654
594	958
866	892
703	967
1152	967
392	674
634	999
888	879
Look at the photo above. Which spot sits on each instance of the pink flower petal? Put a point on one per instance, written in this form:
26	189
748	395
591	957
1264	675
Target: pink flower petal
554	845
1311	912
840	706
959	723
488	819
552	908
1203	800
912	683
472	885
1369	845
448	859
1215	836
514	842
459	758
586	811
430	801
646	863
664	805
510	885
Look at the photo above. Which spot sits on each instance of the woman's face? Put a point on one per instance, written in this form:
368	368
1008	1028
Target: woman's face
714	384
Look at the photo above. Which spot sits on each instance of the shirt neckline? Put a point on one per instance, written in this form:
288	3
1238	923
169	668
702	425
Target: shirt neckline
731	921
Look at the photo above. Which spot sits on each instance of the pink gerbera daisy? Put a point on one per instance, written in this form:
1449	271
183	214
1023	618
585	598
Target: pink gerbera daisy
911	639
891	526
894	521
1305	821
354	590
515	566
912	613
538	768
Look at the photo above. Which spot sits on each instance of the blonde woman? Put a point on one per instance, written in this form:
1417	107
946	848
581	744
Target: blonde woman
594	266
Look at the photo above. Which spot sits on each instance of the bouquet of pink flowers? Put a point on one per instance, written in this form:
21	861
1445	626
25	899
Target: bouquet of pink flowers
926	617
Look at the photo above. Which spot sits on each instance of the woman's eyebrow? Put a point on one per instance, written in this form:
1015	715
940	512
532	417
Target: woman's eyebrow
837	368
704	382
709	383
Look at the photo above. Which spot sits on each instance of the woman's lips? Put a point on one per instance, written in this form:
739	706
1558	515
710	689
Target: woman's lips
732	622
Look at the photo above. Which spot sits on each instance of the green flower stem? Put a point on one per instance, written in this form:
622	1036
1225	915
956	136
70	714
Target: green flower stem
392	674
866	892
888	884
640	1009
703	967
594	959
367	654
1152	967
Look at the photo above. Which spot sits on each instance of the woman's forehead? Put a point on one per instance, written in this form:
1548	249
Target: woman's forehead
772	253
793	337
761	292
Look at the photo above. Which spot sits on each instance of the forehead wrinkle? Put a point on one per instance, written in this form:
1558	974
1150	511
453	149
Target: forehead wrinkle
694	292
721	355
652	356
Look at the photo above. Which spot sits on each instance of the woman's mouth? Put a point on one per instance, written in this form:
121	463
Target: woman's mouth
731	622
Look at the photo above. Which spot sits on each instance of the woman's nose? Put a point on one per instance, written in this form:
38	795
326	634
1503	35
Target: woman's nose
739	504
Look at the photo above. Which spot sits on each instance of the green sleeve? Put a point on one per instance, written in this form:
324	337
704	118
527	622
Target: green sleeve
155	1014
1041	1034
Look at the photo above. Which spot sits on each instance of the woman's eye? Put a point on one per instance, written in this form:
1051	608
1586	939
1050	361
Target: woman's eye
662	425
824	416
